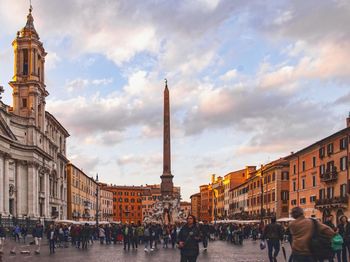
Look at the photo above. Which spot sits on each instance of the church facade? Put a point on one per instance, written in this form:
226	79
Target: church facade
33	179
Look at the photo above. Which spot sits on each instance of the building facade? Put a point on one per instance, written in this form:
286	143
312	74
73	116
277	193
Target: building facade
185	208
32	141
81	197
196	205
105	204
319	176
206	198
127	203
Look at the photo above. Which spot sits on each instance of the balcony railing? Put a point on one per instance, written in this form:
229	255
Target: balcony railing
341	201
329	175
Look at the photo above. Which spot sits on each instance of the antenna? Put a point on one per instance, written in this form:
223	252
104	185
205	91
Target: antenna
30	6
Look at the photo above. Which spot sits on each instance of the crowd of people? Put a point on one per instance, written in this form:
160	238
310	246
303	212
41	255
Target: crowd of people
310	239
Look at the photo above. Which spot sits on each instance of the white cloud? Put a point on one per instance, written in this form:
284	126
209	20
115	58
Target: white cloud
229	75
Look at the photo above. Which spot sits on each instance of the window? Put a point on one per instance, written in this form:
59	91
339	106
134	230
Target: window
304	166
330	148
322	193
126	200
273	176
269	179
322	169
285	175
25	62
24	102
343	143
312	199
294	169
313	181
273	196
322	152
303	201
330	192
343	190
303	183
314	161
294	185
330	166
284	195
343	163
293	202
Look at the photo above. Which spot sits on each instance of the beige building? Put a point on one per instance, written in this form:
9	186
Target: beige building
81	195
105	204
32	141
185	208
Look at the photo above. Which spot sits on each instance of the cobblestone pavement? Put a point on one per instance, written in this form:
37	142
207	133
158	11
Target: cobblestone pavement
218	251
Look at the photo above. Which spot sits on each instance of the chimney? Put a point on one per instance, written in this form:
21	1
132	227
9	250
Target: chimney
348	121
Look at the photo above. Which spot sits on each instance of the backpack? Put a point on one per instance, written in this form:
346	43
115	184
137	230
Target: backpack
320	246
337	242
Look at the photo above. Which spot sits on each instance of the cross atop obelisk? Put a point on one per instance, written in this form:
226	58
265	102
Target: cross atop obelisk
166	186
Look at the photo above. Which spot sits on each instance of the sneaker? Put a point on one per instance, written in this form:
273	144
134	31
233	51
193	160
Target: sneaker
146	250
13	252
152	249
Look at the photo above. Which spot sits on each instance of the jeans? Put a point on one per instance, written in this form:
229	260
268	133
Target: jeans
273	244
346	248
52	246
302	258
188	258
205	241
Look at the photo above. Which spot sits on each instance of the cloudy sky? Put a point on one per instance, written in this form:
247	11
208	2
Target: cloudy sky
250	81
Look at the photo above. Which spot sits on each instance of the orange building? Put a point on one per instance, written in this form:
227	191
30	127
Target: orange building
196	205
81	194
233	180
127	203
206	209
319	176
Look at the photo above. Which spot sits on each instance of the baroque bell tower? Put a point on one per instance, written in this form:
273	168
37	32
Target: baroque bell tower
28	83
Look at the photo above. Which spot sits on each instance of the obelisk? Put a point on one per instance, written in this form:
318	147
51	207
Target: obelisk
166	186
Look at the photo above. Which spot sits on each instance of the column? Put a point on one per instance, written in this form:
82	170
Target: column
30	197
19	187
6	184
47	194
1	183
36	192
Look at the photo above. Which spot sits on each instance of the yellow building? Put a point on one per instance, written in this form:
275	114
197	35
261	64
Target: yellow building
81	195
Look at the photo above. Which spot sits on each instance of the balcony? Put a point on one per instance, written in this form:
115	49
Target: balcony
329	175
335	202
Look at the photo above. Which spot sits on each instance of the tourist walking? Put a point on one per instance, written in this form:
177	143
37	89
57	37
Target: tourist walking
273	233
302	230
344	231
51	235
37	233
189	237
205	233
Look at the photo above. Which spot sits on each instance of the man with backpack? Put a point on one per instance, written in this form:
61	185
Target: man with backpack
310	239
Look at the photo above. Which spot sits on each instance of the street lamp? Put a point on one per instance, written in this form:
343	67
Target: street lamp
215	210
262	194
97	201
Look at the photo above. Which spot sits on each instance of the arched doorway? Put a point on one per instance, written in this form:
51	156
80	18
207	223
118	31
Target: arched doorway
340	213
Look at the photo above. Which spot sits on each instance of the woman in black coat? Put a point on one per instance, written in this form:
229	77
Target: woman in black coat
344	231
189	237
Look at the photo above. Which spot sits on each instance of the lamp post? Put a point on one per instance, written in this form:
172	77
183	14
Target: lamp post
215	210
262	195
97	208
